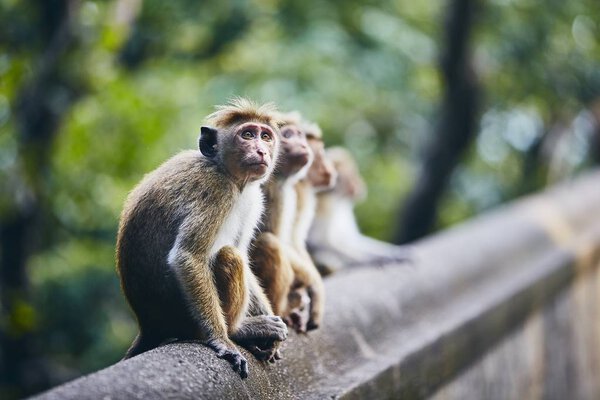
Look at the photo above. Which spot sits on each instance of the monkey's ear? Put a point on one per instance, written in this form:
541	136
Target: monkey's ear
208	141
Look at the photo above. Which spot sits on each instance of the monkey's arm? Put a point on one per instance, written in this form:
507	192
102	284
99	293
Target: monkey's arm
259	303
256	333
273	270
307	274
261	332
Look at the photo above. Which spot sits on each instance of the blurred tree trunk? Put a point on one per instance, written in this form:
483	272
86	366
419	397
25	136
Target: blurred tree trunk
144	43
39	107
455	128
536	160
595	139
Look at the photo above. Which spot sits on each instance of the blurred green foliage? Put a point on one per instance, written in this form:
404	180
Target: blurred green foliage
366	71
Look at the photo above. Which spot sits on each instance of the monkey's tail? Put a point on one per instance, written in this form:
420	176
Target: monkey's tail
141	344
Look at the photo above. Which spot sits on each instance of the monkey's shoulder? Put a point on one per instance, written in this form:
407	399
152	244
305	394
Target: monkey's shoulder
184	181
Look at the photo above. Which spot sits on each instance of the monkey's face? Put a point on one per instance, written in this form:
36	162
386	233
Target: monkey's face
295	152
251	151
321	174
349	182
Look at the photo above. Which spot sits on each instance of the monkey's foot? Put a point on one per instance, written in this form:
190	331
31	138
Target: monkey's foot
265	351
312	325
261	328
297	320
230	354
261	335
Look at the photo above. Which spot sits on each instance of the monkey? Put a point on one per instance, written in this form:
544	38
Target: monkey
334	239
183	238
321	175
274	258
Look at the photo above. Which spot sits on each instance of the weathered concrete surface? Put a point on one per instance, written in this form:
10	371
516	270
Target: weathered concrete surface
467	303
554	355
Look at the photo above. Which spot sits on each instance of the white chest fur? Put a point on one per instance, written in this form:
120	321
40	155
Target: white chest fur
288	210
239	226
306	217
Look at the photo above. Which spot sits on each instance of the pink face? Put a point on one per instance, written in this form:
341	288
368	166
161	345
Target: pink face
321	174
255	146
295	152
349	182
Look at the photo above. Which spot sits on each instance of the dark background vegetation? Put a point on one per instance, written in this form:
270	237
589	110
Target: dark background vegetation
450	108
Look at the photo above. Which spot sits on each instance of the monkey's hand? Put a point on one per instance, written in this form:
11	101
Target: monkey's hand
297	319
228	352
297	315
314	313
262	335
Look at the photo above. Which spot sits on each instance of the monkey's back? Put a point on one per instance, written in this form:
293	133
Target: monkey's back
151	219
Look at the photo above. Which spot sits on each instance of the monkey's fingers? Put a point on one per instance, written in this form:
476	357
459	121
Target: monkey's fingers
312	325
233	356
298	320
276	356
261	354
237	361
280	331
261	327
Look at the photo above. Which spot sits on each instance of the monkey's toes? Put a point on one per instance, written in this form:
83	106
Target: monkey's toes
237	361
276	329
312	325
261	354
297	321
233	356
276	356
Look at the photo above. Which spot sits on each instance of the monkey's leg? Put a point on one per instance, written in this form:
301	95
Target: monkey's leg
197	280
228	269
262	336
273	269
308	275
257	334
316	293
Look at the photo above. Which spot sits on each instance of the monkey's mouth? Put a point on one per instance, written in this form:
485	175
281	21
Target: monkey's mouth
259	164
257	168
298	158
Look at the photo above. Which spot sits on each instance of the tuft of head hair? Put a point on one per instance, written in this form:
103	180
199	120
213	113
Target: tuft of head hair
338	154
312	130
289	118
239	110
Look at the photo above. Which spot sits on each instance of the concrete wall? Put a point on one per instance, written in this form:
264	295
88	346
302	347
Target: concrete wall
504	306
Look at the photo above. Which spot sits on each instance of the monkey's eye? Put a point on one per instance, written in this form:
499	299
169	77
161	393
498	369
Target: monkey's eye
247	135
266	137
287	133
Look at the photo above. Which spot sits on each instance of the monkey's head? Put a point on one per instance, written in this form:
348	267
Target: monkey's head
243	139
296	155
321	174
247	151
349	183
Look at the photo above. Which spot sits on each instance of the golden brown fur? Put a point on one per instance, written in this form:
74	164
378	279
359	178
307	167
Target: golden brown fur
274	258
229	278
274	270
183	239
335	240
321	175
240	109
